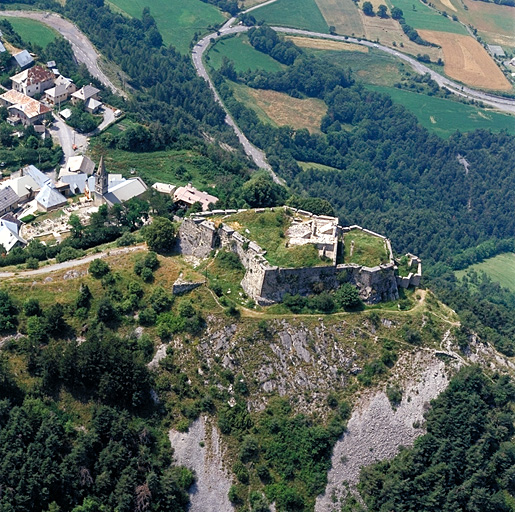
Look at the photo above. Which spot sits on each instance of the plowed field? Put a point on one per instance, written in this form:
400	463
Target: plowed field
467	61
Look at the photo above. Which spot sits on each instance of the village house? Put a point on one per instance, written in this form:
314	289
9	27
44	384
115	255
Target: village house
23	59
9	200
189	195
24	186
84	94
32	81
10	233
49	198
63	88
23	109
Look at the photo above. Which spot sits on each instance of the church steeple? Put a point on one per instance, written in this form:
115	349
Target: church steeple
101	182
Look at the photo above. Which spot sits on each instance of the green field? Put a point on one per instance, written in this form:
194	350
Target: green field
293	13
32	31
418	15
242	53
444	117
177	20
366	249
500	269
374	67
313	165
176	167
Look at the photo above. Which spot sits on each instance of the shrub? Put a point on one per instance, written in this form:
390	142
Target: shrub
69	253
241	472
32	263
147	275
147	317
99	268
347	296
31	307
126	239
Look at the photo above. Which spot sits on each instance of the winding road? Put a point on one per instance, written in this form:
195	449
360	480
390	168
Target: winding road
84	51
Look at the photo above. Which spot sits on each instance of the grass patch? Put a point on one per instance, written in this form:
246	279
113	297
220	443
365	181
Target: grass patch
303	14
419	15
32	31
176	167
178	20
243	54
375	67
313	165
444	117
268	230
364	249
280	109
500	269
343	15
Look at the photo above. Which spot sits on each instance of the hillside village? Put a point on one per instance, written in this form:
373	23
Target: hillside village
40	95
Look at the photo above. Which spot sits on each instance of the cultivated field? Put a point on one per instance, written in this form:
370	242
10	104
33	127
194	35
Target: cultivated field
501	269
388	31
343	15
326	44
32	31
294	13
467	61
281	109
420	16
495	23
444	117
178	20
242	53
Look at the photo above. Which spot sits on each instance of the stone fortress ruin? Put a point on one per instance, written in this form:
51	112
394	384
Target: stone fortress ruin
267	284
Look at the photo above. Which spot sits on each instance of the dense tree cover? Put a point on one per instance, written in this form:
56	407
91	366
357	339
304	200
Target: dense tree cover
167	89
465	462
116	463
267	41
160	235
391	174
287	452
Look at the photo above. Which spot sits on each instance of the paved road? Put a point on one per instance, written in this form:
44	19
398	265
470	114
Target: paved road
252	151
72	263
83	50
67	137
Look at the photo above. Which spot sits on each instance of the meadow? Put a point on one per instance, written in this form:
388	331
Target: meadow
500	269
32	31
280	109
177	21
239	50
343	15
302	14
364	249
418	15
444	117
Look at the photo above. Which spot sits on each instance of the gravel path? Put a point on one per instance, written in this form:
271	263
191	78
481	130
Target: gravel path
73	263
209	493
375	431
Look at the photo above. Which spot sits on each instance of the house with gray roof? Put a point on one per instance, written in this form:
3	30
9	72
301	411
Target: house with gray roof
10	232
9	200
23	59
49	198
39	177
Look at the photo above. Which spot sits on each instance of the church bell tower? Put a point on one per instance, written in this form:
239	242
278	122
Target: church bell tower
101	183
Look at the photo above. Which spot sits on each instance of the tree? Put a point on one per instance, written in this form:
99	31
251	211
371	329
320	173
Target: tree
160	235
8	312
347	296
262	192
31	307
382	11
397	13
368	9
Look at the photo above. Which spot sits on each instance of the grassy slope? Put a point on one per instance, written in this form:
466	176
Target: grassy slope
293	13
32	31
425	18
501	269
444	117
244	56
178	20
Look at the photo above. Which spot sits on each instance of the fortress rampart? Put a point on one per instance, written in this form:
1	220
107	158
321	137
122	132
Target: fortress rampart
268	284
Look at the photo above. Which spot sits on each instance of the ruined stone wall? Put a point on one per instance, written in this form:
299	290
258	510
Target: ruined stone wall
268	284
196	237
